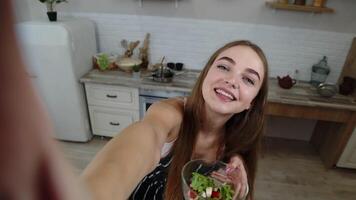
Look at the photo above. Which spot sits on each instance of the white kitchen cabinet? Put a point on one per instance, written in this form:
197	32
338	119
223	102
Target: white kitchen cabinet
111	108
348	157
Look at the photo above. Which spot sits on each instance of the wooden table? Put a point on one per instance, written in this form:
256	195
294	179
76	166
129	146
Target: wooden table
332	131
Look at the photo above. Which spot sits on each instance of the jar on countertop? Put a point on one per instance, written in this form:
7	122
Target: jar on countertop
320	72
318	3
283	1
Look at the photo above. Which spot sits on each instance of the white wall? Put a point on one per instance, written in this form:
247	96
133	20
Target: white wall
192	41
247	11
21	10
189	33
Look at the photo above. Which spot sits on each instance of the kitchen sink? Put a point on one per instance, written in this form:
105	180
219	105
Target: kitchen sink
181	79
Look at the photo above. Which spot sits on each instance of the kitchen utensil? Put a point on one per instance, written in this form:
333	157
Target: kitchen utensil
129	47
143	55
349	68
161	75
286	82
326	89
124	44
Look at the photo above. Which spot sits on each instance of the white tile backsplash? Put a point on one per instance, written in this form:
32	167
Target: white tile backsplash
192	41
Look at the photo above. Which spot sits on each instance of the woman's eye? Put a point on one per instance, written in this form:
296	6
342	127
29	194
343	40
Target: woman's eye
223	67
249	81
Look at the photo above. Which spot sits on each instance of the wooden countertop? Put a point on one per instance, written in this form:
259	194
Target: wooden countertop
302	93
336	116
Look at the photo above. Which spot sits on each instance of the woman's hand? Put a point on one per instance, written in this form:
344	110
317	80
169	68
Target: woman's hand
236	175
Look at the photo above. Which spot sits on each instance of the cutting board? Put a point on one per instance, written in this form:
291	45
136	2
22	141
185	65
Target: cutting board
349	68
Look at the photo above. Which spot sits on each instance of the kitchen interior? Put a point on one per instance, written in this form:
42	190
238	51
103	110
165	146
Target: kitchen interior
102	64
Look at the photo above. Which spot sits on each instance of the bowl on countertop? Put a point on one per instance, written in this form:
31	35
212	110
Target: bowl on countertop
127	64
326	90
112	58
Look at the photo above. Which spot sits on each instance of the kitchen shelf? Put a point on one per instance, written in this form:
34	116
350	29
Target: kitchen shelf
304	8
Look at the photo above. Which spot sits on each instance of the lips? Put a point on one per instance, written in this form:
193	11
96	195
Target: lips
225	93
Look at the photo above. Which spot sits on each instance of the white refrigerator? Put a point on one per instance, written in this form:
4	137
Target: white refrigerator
57	55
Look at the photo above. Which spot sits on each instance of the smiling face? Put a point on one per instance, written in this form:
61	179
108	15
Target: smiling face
233	80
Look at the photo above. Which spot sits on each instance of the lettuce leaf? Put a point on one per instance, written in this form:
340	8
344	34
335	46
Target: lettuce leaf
226	191
200	183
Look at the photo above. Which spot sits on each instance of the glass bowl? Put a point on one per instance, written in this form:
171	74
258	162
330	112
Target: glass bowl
326	89
199	166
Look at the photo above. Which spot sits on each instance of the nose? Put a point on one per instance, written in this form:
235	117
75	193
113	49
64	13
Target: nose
232	84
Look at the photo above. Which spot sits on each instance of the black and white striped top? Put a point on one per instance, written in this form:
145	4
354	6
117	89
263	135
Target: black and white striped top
152	186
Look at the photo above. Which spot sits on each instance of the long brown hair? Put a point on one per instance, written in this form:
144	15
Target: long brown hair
243	131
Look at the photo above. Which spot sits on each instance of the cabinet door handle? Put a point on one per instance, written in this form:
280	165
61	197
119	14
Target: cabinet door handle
111	96
115	124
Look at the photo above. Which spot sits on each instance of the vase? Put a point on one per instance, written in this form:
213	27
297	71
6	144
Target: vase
299	2
136	75
52	16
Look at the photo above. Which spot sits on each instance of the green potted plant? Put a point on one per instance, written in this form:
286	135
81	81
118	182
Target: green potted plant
51	13
136	71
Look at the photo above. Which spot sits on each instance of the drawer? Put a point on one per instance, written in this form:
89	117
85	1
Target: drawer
109	121
113	96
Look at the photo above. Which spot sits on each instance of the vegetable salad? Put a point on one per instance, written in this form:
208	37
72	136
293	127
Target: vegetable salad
205	188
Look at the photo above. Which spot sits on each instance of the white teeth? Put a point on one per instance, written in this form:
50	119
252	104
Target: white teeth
224	93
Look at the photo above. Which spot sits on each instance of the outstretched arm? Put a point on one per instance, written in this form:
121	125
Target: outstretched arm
31	167
127	158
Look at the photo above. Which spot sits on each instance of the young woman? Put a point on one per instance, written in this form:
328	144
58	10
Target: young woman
221	120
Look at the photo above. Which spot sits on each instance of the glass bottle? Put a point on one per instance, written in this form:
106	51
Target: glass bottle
320	72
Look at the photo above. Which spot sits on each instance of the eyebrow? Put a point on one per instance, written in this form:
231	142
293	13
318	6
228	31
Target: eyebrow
248	69
227	59
253	72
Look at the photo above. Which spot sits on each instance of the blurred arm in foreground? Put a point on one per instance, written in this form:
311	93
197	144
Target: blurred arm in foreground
31	167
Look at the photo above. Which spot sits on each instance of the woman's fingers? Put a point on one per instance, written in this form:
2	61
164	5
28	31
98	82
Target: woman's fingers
220	177
237	172
242	191
237	184
238	191
239	181
234	174
235	162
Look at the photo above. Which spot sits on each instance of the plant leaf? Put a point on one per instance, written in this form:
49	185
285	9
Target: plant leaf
103	61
